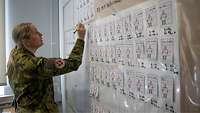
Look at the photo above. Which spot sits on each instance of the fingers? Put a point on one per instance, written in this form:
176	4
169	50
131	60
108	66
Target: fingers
80	28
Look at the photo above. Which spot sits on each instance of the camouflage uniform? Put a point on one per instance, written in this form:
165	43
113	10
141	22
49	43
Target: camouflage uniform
30	78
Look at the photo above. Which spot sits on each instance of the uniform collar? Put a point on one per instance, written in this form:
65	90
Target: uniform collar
23	49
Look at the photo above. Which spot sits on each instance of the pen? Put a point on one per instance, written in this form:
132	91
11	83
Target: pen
74	31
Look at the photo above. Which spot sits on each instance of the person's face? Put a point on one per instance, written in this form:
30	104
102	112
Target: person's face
35	41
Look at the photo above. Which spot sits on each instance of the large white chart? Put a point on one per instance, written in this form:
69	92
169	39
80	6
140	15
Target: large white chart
133	60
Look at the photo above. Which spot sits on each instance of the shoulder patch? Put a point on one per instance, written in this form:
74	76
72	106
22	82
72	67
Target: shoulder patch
59	63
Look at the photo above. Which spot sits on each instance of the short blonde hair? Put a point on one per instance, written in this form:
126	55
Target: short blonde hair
21	31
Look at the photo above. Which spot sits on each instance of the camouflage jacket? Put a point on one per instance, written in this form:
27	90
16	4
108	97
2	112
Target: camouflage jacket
30	78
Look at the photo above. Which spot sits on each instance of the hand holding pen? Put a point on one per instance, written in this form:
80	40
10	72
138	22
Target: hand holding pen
80	29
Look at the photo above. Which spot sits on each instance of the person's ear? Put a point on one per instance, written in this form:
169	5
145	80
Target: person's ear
25	42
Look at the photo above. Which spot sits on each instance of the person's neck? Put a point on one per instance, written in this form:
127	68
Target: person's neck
31	50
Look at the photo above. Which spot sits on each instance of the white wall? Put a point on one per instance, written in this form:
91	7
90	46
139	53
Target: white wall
2	43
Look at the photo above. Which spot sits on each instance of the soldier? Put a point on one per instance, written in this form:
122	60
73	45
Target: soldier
30	77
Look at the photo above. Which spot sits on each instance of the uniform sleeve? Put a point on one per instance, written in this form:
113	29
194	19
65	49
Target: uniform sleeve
41	67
